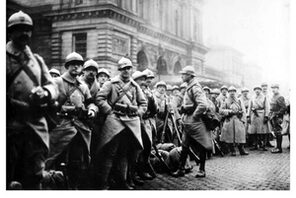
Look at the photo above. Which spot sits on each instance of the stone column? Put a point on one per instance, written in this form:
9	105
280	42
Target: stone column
134	46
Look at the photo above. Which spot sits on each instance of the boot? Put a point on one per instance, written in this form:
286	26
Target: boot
181	171
255	143
145	176
263	142
242	150
200	173
278	148
232	150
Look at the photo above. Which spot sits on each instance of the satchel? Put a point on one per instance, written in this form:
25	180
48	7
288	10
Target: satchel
211	120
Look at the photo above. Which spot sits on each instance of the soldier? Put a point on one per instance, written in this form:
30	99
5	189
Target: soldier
123	102
103	76
177	98
70	140
90	72
150	78
214	95
54	73
223	96
233	130
269	136
246	100
29	91
257	117
277	111
145	170
169	90
194	131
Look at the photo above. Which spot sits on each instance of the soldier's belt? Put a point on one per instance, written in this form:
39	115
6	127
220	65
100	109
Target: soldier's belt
124	109
188	109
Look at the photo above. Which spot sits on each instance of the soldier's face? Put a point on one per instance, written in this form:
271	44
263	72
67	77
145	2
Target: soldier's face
245	94
275	90
161	89
149	81
224	92
176	92
90	73
21	36
54	75
102	78
232	93
214	95
141	81
183	91
126	72
257	91
75	69
264	88
186	77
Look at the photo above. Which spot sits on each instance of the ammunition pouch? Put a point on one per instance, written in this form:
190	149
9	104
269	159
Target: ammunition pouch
70	111
188	109
124	109
211	120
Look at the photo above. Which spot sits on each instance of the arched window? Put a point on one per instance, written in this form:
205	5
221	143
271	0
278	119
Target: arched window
161	66
177	67
142	61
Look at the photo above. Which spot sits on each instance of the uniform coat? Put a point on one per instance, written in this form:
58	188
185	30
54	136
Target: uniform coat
260	104
233	130
277	111
115	124
61	136
19	91
193	125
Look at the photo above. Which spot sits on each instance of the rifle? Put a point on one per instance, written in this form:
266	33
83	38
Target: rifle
167	168
175	127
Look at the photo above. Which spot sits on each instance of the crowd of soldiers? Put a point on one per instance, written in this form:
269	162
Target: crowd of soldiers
85	130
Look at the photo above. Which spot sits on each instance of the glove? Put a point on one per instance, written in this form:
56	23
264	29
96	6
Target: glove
265	120
248	119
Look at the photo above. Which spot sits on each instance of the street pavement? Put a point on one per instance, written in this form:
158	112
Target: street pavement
260	170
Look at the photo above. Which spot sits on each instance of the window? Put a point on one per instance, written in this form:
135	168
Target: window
79	43
78	2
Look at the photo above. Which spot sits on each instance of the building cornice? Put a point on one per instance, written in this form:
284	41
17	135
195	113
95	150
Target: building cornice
123	16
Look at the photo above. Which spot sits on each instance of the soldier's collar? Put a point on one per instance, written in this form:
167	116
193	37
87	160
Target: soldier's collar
12	50
67	77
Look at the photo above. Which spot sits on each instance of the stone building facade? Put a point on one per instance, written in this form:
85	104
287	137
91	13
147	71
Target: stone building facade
162	35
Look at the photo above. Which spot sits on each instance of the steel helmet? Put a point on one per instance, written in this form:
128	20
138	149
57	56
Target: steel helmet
124	62
188	70
73	57
275	85
104	71
138	74
149	73
245	90
224	87
175	87
215	91
54	71
206	88
257	87
19	18
161	83
91	63
232	88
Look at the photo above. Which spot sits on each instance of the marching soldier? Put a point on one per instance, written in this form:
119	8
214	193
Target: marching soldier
150	77
233	130
103	76
223	96
194	130
145	170
90	72
70	140
257	117
123	103
54	73
29	91
277	111
269	136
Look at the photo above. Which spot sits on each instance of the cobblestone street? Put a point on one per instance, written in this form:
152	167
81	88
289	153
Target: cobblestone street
258	171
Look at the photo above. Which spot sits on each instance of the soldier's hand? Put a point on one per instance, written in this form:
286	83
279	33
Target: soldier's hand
91	113
39	95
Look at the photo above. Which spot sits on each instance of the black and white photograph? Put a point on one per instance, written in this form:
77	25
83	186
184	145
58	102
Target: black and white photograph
147	95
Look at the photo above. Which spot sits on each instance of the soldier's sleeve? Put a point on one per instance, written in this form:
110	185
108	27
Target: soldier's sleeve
248	111
200	100
141	100
89	100
101	99
46	80
282	104
244	111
